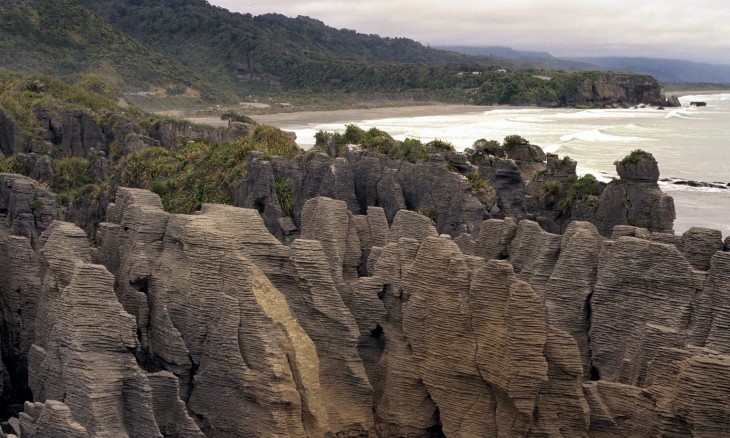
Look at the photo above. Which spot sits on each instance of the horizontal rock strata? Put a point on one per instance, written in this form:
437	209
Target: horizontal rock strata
208	325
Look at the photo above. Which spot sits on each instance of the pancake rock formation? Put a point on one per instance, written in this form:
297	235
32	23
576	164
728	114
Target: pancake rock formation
371	325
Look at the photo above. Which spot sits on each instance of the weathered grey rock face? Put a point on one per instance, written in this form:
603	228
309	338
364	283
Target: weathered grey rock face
635	201
363	179
83	337
26	208
207	325
279	313
570	286
616	90
644	169
699	245
49	419
506	179
76	133
169	134
11	140
641	301
19	293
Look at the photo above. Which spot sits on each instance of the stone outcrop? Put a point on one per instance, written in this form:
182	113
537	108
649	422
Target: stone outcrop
19	293
170	133
208	325
26	208
11	140
607	90
635	199
83	336
75	133
363	179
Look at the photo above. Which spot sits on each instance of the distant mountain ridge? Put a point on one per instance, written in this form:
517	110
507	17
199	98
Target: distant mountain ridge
665	70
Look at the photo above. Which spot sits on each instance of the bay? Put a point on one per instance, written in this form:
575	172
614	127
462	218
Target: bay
690	143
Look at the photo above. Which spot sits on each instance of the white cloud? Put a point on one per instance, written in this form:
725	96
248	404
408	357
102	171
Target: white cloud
697	30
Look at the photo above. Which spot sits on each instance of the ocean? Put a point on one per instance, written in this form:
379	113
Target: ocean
690	143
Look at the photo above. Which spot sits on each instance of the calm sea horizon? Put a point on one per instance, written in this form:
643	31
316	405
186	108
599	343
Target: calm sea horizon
690	143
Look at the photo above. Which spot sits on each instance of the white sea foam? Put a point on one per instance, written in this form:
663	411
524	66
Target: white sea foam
598	135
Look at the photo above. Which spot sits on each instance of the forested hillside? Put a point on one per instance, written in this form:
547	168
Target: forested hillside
61	38
268	52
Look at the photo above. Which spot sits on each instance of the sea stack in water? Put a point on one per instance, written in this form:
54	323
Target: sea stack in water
636	199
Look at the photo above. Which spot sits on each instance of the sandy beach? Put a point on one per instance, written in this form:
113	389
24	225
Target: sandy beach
304	119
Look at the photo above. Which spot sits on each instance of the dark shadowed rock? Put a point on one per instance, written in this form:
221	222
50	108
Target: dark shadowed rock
28	208
11	140
19	293
76	133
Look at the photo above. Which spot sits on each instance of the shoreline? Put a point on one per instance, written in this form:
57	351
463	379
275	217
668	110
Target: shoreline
305	119
295	120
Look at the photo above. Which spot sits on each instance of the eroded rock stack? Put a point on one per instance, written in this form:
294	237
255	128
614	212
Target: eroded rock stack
207	325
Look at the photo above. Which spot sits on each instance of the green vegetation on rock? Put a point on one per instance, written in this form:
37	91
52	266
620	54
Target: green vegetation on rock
483	148
511	142
285	195
197	172
582	189
11	165
482	188
21	94
634	157
410	149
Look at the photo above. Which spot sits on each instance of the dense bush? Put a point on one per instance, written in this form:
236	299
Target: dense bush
482	148
634	157
197	172
581	189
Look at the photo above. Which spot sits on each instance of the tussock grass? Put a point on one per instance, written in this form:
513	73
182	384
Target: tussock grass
197	172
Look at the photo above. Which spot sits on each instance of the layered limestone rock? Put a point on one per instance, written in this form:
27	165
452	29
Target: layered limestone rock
75	132
533	253
19	293
699	245
494	239
641	302
635	199
49	419
711	310
26	208
81	353
363	179
216	289
211	326
509	329
438	329
570	286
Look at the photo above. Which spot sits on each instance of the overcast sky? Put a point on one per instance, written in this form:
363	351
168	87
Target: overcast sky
697	30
